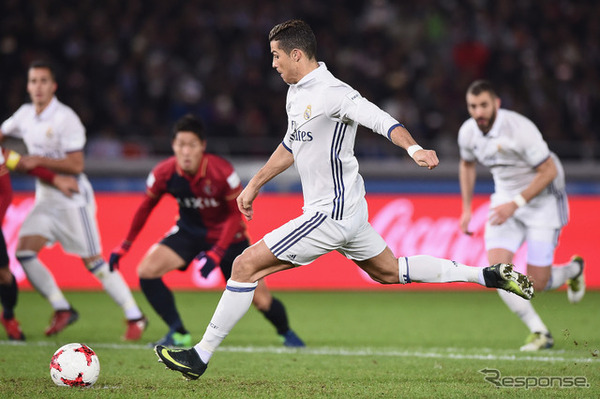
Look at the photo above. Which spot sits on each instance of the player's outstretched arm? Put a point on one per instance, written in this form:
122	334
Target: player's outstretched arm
280	160
71	164
545	173
402	138
139	220
467	175
66	184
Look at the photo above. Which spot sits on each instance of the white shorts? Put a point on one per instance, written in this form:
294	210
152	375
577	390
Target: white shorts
74	228
548	210
523	227
302	240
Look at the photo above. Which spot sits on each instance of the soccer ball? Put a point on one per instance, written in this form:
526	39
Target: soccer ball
74	365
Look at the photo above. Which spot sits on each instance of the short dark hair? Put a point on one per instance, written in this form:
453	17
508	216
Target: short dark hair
295	33
189	123
481	86
46	65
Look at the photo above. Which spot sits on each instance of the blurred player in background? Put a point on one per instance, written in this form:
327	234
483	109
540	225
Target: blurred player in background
8	285
323	117
210	224
55	138
529	203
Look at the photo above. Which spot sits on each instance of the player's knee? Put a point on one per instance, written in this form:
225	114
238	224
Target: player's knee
242	269
145	271
539	276
540	284
5	276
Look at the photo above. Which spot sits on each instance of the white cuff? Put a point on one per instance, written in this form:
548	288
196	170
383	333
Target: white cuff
412	149
519	200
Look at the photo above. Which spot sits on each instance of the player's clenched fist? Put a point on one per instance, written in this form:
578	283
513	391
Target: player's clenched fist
426	158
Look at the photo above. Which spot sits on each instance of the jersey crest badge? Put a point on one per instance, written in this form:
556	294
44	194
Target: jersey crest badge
308	112
208	190
49	132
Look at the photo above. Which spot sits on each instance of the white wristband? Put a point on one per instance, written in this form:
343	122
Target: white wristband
519	200
412	149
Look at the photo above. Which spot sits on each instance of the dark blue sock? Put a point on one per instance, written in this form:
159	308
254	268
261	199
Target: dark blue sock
8	298
277	316
162	300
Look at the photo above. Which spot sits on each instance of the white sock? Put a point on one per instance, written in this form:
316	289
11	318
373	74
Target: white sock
234	303
428	269
42	280
116	287
560	274
524	310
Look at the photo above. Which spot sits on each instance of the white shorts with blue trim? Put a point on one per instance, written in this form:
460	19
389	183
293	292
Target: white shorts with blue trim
302	240
76	229
539	223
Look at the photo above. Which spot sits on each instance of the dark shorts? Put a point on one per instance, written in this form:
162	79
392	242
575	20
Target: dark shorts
188	245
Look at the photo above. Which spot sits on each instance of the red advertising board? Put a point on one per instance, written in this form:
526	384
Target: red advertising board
410	224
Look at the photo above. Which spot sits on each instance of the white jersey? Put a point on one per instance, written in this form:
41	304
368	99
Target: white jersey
512	150
323	116
52	134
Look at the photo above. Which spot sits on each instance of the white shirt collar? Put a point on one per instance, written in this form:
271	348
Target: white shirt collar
312	74
49	110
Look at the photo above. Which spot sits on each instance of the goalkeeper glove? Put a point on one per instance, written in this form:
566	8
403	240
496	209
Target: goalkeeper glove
211	258
116	254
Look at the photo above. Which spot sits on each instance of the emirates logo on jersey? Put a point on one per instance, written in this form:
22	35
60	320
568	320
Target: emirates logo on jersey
308	112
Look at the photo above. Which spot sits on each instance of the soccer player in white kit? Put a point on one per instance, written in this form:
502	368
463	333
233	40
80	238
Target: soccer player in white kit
529	203
324	114
55	138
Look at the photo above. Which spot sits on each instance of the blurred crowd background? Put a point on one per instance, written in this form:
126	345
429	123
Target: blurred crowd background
131	68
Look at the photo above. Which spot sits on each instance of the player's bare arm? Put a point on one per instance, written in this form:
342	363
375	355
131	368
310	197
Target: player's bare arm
545	173
402	138
467	175
66	184
280	160
72	164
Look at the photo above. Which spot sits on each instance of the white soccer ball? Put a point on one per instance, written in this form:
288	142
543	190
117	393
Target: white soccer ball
74	365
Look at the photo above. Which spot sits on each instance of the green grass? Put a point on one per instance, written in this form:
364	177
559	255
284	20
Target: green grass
360	345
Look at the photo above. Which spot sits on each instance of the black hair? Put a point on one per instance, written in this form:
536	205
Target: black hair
481	86
46	65
295	33
189	123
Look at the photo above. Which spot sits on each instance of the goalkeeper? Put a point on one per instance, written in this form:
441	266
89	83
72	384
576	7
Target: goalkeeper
209	227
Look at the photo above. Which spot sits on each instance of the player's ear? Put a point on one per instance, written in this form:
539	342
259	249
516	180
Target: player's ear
296	55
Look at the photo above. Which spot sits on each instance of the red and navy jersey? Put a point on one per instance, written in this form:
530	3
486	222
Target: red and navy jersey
207	201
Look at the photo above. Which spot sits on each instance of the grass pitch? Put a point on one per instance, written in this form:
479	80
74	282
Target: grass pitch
359	345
